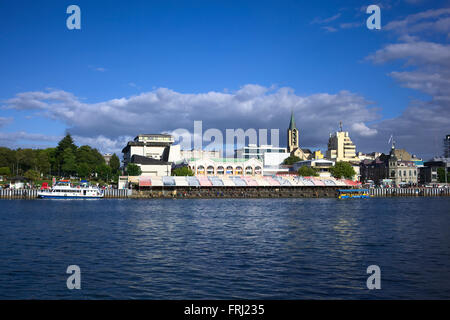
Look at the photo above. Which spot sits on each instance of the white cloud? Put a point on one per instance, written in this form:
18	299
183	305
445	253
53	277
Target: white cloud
326	20
109	124
363	130
423	124
4	121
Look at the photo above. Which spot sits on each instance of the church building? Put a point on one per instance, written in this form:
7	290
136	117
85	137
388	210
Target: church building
293	144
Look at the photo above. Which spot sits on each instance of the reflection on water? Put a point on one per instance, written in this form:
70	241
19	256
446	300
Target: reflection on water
225	248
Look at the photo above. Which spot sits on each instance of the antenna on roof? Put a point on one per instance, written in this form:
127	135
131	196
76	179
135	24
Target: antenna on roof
340	125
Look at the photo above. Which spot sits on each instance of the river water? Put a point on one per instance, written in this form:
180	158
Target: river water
225	248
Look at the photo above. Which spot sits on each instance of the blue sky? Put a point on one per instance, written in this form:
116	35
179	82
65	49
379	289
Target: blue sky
179	51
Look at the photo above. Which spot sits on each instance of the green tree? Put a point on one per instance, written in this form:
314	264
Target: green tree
25	159
90	156
7	158
306	171
64	144
342	170
291	160
114	163
5	171
51	155
133	170
441	175
68	165
43	162
182	171
104	172
83	170
32	175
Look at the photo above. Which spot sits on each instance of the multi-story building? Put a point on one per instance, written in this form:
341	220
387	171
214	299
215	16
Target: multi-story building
341	147
199	154
368	156
429	171
107	157
254	151
447	146
153	153
155	146
226	166
398	167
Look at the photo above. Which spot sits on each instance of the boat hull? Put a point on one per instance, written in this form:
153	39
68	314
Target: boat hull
68	197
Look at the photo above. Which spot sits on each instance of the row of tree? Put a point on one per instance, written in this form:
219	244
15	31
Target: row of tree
65	160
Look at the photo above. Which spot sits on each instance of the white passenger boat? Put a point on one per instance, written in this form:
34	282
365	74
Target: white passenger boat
65	190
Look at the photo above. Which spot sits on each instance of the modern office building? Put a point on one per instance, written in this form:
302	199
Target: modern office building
341	147
253	151
429	173
447	146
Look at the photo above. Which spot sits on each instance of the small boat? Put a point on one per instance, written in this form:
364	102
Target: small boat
354	194
65	190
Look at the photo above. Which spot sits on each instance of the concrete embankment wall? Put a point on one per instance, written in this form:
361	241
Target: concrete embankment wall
237	192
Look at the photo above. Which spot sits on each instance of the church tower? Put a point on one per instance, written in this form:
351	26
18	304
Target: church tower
292	135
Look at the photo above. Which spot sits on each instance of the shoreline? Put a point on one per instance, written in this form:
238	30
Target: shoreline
224	192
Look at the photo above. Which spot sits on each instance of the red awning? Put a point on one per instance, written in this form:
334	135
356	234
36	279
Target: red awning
145	182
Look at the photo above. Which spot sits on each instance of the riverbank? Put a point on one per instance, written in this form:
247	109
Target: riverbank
241	192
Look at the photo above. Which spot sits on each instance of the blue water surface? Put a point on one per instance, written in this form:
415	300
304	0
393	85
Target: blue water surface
225	248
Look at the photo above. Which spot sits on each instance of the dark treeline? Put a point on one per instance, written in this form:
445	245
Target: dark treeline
66	160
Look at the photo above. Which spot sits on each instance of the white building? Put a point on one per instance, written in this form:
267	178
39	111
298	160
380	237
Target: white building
226	166
152	167
153	153
258	152
341	147
199	154
155	146
321	165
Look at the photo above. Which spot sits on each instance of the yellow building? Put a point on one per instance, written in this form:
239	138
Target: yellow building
342	148
318	155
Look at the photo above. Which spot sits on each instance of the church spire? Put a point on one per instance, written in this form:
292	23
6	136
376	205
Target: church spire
292	123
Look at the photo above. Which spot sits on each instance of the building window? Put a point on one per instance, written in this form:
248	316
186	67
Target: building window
200	170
